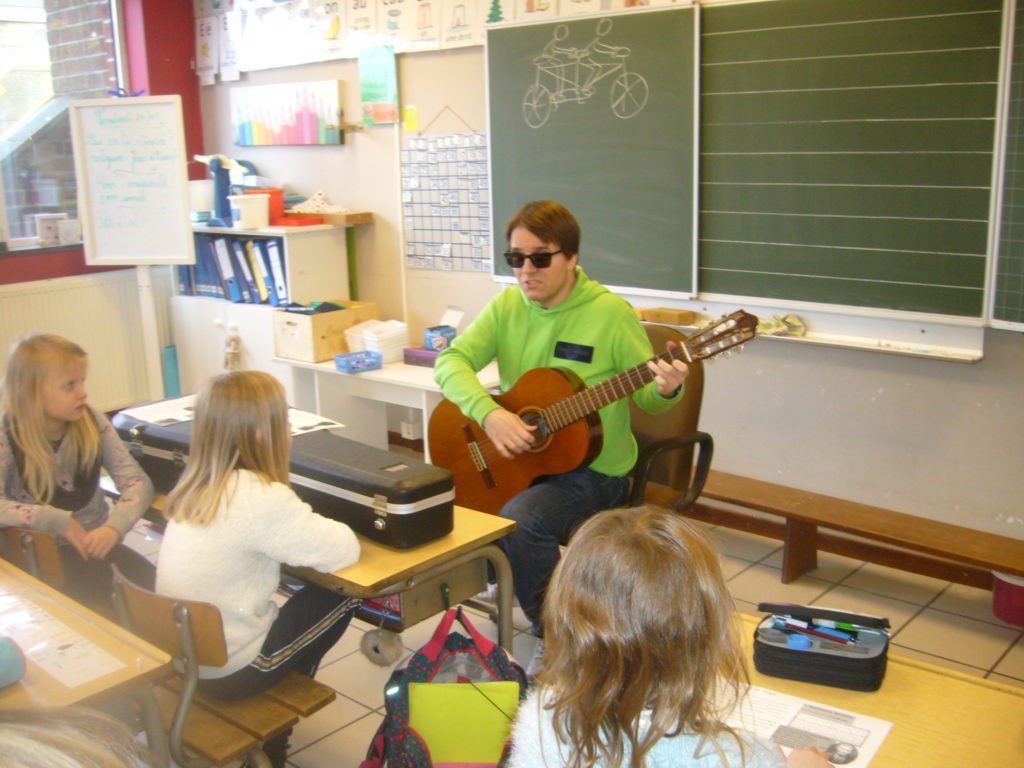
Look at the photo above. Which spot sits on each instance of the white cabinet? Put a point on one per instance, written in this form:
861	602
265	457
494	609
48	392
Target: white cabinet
317	269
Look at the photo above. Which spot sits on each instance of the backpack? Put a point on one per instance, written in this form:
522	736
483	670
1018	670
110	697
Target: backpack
474	690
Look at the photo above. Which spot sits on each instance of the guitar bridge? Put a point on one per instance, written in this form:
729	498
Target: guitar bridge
477	455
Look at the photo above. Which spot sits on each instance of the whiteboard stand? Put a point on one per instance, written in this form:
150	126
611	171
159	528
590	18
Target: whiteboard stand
133	196
150	337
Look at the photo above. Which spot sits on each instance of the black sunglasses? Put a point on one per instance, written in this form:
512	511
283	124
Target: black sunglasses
540	259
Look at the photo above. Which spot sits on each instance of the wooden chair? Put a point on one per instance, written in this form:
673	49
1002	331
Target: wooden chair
35	552
202	731
665	472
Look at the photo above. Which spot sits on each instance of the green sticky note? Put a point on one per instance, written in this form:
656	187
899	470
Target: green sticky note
463	722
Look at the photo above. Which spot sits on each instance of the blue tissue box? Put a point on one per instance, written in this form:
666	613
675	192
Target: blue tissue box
354	362
438	337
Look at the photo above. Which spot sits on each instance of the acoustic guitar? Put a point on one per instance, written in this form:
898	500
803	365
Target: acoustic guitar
564	410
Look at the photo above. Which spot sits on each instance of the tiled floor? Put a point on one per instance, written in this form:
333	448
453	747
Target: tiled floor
935	621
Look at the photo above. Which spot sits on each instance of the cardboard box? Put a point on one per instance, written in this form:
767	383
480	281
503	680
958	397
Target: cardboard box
669	316
318	337
438	337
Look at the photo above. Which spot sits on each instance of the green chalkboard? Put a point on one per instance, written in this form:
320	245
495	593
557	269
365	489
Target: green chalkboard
598	113
1008	296
846	151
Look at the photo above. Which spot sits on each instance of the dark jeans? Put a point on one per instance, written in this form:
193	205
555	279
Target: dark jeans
546	514
90	582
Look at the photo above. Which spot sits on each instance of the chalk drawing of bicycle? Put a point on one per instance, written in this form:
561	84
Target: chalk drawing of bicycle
566	73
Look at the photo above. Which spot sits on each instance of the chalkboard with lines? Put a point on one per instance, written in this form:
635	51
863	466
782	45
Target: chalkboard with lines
132	184
1008	295
847	151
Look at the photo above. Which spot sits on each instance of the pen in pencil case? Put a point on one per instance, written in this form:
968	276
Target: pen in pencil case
828	628
822	633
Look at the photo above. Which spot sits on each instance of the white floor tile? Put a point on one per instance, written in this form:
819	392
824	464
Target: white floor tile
339	713
745	546
357	677
761	583
957	638
883	580
344	748
1012	664
968	601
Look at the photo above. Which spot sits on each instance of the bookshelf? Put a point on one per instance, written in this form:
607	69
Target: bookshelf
315	261
316	269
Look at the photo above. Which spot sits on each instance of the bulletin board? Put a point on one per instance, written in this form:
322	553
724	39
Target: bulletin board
132	185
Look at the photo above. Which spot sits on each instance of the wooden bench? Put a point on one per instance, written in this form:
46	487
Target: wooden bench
930	547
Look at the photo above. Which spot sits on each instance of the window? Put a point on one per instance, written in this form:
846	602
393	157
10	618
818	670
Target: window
51	51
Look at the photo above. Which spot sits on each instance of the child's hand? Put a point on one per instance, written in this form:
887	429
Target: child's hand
808	757
100	541
76	536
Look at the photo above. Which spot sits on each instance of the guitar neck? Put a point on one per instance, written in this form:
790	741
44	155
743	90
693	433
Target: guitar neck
592	399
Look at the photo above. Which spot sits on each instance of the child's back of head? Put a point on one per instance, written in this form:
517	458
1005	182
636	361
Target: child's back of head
637	617
240	422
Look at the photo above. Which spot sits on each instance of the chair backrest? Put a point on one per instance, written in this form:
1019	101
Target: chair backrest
159	620
35	552
674	470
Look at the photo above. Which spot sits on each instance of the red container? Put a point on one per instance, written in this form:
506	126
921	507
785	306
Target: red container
276	202
1008	598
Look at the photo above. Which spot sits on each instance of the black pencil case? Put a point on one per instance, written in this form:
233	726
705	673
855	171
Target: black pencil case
822	645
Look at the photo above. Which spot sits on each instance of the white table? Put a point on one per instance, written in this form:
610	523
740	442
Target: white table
360	400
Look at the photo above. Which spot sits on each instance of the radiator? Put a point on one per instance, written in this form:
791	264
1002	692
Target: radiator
99	312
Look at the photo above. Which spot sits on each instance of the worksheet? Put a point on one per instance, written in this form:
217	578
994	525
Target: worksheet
167	412
70	657
791	722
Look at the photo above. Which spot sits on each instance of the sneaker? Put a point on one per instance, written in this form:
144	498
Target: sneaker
537	660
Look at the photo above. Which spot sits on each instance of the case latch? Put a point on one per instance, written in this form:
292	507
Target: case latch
380	508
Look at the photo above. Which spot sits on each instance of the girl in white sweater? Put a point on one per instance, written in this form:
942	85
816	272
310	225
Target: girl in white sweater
233	519
641	656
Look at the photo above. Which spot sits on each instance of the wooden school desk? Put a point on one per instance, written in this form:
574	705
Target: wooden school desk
385	571
939	717
36	615
360	400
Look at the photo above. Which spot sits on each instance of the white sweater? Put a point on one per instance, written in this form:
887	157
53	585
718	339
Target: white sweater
536	745
235	561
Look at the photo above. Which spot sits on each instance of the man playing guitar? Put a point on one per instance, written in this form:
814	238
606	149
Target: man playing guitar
556	317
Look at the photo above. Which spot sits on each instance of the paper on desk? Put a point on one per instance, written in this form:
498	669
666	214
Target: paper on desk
68	656
180	409
791	722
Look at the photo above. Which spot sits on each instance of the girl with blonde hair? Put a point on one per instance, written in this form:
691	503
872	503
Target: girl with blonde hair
642	658
52	447
233	519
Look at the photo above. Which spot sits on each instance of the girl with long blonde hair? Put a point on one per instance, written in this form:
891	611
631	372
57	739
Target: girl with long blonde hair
52	448
233	519
642	657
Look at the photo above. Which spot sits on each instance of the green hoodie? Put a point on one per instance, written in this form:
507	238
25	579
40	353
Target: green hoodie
591	322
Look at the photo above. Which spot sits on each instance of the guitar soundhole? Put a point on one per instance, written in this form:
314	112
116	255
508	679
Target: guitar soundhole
542	436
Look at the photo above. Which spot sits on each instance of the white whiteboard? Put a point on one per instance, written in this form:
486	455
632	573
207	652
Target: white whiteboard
132	180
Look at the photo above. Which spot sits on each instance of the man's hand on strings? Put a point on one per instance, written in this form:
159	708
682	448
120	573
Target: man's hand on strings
509	433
